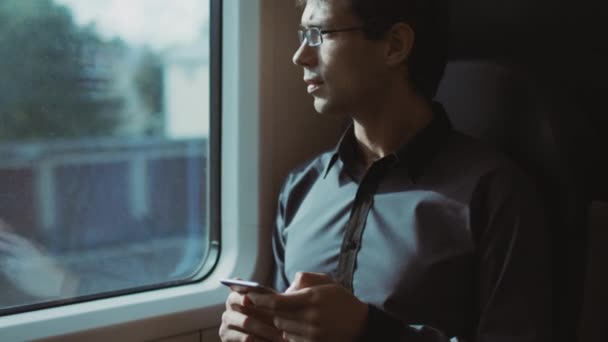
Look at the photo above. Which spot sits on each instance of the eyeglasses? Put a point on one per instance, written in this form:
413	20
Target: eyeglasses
314	35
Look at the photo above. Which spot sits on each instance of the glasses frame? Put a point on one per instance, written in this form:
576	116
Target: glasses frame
304	34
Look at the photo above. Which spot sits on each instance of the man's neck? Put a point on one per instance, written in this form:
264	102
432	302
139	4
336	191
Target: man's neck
392	124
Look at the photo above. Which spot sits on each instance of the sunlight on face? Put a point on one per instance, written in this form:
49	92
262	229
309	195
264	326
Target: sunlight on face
342	74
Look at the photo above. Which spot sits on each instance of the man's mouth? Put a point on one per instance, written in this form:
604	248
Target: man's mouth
313	85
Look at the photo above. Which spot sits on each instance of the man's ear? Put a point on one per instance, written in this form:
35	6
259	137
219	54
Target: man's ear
400	39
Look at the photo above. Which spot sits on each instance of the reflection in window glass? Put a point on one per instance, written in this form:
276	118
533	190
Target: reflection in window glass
104	126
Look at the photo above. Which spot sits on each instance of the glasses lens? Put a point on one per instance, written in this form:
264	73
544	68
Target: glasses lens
313	36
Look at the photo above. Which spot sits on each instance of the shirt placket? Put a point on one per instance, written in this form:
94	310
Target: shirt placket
355	226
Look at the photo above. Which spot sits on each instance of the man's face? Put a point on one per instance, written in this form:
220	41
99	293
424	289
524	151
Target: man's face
344	74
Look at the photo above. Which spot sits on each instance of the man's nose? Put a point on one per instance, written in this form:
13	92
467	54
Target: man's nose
305	55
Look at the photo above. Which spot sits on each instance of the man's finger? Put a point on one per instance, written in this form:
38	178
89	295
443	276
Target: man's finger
236	299
229	335
296	338
282	302
235	320
297	327
303	280
298	315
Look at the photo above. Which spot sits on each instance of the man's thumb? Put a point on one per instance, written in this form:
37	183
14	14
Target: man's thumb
303	280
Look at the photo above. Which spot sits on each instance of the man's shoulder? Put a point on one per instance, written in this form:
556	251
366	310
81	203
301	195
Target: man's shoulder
469	154
469	158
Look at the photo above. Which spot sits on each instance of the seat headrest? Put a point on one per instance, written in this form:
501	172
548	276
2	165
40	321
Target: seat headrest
501	105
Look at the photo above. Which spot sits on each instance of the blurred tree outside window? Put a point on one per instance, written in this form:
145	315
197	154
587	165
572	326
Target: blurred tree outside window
61	80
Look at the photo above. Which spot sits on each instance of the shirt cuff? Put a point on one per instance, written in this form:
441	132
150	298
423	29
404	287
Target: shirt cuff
380	326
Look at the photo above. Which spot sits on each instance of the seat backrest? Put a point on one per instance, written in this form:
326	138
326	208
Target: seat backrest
523	117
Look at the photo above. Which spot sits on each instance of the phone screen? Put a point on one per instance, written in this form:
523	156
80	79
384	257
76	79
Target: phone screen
243	286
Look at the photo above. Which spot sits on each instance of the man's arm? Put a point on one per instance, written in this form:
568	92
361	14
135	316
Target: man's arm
514	264
513	269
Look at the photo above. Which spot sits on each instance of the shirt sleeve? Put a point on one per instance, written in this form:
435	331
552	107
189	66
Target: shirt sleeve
383	327
514	264
280	280
512	270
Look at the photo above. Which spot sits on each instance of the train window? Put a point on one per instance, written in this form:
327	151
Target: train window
108	121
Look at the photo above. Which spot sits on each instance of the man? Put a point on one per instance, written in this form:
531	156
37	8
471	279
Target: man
407	230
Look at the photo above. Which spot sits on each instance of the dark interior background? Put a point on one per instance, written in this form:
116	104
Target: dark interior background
564	46
564	43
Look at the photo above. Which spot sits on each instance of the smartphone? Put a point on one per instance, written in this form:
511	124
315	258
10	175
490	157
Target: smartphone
243	286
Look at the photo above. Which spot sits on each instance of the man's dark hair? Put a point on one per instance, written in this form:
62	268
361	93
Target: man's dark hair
430	21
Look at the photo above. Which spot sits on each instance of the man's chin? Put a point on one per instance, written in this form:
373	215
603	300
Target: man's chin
323	107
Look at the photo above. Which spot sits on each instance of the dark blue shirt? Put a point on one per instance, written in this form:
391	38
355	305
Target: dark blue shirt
443	238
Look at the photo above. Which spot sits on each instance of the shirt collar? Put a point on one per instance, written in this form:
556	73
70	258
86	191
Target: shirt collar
344	148
414	155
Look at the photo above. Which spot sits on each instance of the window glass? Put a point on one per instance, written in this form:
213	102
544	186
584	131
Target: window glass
104	145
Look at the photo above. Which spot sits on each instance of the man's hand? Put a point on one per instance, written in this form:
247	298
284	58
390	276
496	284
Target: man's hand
315	308
242	322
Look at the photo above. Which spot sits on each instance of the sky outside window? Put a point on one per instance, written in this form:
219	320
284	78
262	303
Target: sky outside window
156	23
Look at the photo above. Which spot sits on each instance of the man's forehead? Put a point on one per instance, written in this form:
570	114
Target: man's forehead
319	12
